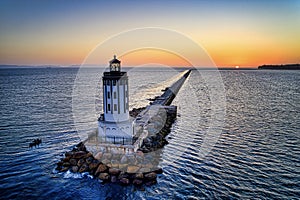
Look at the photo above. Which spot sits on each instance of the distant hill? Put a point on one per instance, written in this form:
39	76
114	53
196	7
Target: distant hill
281	67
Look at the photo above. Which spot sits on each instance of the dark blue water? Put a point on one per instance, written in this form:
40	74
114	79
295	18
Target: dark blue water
256	154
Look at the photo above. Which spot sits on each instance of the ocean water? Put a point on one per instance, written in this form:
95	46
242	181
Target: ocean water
255	154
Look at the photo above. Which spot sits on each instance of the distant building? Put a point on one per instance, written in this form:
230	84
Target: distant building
114	124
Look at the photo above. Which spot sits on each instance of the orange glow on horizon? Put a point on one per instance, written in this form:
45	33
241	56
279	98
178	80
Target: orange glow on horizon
148	56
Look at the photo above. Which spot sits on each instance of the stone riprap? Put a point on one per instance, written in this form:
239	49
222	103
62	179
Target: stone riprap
80	160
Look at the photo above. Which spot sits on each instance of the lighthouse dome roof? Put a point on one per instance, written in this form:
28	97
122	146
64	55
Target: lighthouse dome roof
115	60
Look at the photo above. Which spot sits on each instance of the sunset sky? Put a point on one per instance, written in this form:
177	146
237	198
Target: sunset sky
234	33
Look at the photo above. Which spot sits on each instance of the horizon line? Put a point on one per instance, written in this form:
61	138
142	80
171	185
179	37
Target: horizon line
124	66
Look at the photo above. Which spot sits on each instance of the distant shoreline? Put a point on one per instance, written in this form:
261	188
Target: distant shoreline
280	67
126	67
261	67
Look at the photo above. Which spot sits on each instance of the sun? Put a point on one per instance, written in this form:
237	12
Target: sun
237	67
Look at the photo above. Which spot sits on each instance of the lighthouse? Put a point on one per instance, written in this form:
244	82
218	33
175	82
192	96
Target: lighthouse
114	124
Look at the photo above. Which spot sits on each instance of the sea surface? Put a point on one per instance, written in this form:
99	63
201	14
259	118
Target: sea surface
254	152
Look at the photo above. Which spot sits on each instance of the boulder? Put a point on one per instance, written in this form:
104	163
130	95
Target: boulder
109	165
66	159
104	176
107	156
140	153
69	154
158	171
79	154
132	169
75	169
60	163
139	176
101	168
66	164
84	168
139	158
123	167
124	160
144	170
80	162
64	169
124	181
114	163
116	156
81	147
148	165
114	171
132	159
150	176
98	156
123	175
113	179
137	182
94	165
73	161
89	160
89	154
106	161
80	144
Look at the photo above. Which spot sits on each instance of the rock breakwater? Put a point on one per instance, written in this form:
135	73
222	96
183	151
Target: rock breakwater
80	160
157	128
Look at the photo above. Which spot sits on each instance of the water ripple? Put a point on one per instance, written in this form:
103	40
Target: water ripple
255	157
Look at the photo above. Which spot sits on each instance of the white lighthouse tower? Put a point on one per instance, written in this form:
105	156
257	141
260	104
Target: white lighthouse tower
114	124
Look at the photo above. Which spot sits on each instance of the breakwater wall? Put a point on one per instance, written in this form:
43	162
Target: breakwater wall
170	93
153	124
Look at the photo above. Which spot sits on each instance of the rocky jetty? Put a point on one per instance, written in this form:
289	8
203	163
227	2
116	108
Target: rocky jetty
158	128
136	111
80	160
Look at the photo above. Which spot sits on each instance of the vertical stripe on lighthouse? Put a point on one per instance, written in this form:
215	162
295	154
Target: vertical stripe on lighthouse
111	98
118	95
124	96
105	96
127	95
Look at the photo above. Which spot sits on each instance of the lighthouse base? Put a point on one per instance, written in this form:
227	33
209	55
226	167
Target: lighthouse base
116	133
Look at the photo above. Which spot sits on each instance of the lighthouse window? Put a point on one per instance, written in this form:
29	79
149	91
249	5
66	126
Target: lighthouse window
108	107
115	95
108	95
115	107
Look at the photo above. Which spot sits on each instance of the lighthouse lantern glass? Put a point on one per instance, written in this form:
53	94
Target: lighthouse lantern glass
115	67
